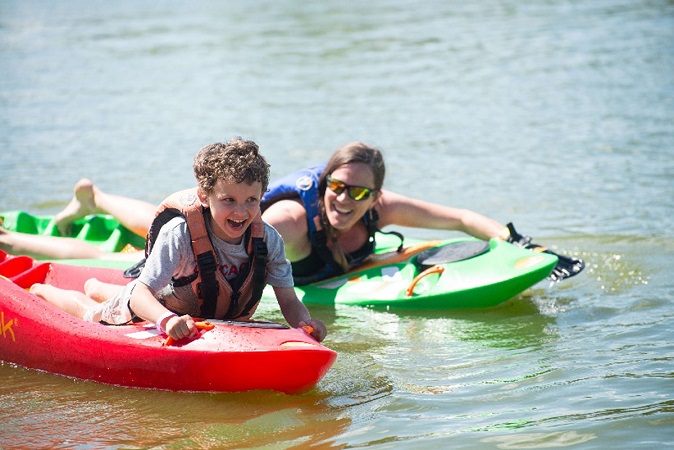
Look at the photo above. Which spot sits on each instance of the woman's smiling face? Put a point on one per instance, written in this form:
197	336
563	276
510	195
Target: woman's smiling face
341	210
233	207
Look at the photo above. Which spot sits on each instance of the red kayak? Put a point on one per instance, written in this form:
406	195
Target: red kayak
225	357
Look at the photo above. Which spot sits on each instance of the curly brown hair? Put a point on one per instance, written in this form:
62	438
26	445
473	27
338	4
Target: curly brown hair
235	161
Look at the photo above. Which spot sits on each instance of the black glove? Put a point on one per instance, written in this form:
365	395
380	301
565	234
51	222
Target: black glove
566	266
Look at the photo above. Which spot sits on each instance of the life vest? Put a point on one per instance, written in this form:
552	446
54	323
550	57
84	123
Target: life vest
303	184
217	298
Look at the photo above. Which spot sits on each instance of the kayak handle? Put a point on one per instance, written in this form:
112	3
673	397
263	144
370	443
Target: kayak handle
424	274
200	326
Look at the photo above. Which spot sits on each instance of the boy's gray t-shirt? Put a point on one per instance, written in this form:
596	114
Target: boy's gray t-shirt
172	257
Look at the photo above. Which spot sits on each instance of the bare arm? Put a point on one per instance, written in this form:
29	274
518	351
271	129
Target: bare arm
296	313
289	219
396	209
146	306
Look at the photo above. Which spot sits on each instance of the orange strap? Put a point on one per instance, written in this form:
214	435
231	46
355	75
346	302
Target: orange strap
200	326
425	273
393	257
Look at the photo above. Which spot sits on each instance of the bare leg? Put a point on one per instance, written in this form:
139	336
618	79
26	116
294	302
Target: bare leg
52	247
136	215
100	291
48	246
74	303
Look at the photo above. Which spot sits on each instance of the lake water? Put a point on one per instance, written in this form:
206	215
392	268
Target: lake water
556	115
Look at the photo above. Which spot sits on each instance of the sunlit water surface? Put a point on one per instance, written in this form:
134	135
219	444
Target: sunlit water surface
554	115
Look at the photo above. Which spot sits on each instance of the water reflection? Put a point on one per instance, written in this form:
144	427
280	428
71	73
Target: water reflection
555	115
541	440
56	411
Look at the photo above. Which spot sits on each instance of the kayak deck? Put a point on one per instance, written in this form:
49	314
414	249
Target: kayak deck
480	281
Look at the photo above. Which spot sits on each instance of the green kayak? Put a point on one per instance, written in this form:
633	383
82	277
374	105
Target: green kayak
101	230
451	274
441	275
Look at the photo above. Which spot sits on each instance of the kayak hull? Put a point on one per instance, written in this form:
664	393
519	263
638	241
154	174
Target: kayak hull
232	357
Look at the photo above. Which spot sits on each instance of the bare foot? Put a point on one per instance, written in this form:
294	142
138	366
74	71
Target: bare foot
5	240
38	289
82	204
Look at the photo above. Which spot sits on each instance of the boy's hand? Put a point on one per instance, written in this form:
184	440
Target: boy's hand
319	330
179	327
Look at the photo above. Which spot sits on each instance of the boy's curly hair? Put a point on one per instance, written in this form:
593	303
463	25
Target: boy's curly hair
235	161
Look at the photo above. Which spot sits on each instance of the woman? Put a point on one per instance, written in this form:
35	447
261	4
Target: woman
348	205
339	207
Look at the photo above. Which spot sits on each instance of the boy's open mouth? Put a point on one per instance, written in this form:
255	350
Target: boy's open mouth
236	224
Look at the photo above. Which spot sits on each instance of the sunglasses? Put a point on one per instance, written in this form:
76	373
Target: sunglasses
357	193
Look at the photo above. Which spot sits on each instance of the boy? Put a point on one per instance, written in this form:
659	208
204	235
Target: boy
201	252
